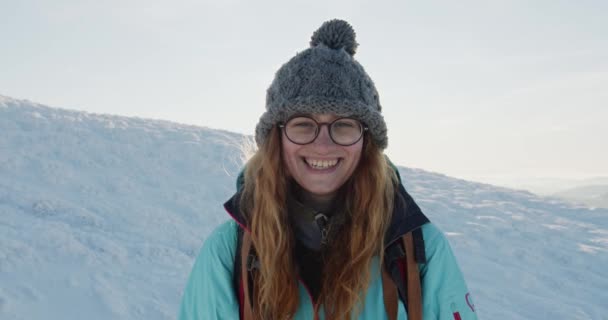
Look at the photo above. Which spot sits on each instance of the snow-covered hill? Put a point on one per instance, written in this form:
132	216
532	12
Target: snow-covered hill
102	216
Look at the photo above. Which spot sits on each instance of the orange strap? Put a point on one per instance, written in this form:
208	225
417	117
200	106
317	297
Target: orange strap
414	292
391	296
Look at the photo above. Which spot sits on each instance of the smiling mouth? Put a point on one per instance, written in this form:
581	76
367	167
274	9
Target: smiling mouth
321	164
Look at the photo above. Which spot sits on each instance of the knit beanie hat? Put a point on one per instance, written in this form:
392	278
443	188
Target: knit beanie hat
324	78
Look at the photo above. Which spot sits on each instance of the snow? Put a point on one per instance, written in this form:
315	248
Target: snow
101	217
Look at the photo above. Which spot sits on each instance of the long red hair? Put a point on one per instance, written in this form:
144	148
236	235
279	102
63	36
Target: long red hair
369	197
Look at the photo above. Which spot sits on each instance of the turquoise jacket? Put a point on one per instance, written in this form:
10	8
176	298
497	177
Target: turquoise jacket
210	293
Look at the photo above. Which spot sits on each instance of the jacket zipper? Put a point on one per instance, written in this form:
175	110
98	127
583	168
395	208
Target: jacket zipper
321	221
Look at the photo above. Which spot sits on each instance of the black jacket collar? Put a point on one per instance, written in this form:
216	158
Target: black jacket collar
406	217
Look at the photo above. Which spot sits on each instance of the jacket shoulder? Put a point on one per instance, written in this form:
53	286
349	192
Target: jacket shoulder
445	291
209	293
222	239
432	234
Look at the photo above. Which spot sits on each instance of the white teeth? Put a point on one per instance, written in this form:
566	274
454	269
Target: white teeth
321	164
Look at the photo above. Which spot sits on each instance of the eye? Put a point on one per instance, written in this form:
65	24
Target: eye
346	124
301	123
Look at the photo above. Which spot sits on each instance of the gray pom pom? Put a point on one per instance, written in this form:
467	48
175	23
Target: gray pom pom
335	34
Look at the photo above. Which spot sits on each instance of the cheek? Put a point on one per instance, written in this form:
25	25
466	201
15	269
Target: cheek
355	153
288	157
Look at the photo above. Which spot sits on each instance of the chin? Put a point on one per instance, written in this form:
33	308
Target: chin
323	190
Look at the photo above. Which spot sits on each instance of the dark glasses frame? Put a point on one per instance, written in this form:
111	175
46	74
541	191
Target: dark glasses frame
329	125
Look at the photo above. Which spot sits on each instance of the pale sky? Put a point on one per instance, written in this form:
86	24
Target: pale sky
485	90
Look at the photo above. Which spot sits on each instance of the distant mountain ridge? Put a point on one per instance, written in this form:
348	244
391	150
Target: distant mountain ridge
590	195
101	217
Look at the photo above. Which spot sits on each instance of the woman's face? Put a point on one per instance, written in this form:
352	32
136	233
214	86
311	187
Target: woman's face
322	166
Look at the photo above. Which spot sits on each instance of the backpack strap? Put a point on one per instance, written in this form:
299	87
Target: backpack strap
390	294
419	252
406	280
246	283
414	291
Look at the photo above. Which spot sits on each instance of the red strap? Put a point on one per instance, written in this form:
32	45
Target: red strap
241	299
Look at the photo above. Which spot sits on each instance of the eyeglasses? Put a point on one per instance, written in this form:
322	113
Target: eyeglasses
304	130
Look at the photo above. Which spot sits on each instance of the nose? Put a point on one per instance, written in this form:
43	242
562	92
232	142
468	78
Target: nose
323	140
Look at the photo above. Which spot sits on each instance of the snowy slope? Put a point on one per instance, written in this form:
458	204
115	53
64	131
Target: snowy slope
101	217
524	257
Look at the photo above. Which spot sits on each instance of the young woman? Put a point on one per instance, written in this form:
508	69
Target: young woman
318	220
